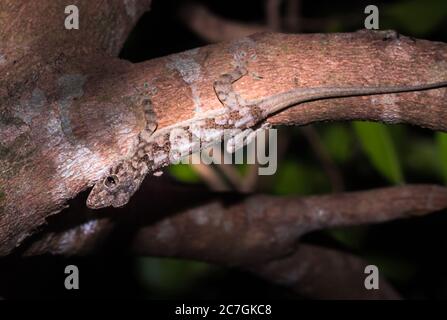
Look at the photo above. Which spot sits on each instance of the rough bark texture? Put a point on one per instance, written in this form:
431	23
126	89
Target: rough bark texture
54	84
66	115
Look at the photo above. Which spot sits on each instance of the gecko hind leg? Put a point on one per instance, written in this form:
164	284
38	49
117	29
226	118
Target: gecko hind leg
224	88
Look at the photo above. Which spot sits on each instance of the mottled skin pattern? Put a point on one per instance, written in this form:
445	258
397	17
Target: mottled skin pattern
159	149
124	179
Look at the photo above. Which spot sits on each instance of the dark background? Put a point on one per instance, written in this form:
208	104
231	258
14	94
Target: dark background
410	253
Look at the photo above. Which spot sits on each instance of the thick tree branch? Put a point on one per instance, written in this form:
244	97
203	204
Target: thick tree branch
213	28
260	227
37	27
232	229
258	233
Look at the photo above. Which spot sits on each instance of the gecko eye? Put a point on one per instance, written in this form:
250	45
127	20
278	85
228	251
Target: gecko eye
111	181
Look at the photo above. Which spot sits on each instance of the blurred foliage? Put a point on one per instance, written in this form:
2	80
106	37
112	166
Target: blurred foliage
295	177
397	270
421	158
170	277
243	168
338	140
352	238
441	155
415	17
184	173
379	147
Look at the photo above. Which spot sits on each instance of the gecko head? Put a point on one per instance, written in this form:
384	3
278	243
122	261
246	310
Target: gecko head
115	189
107	192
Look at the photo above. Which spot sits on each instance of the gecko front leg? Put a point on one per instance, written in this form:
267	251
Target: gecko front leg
223	87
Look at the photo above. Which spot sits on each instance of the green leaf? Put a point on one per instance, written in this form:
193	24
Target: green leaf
377	144
184	173
441	146
338	141
416	17
421	157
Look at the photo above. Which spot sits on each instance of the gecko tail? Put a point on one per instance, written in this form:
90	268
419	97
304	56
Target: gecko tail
290	98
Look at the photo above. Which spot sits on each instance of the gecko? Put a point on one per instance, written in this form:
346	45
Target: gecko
158	148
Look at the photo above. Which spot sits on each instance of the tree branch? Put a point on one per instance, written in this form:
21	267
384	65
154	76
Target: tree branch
212	27
230	229
258	233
